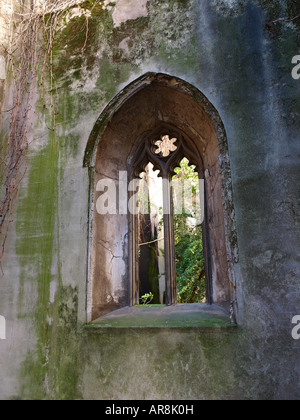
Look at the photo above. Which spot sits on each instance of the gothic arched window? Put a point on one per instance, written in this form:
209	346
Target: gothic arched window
168	196
151	131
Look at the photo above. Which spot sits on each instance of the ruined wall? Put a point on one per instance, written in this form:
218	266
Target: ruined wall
222	48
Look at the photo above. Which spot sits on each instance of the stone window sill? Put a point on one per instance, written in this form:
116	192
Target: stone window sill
199	316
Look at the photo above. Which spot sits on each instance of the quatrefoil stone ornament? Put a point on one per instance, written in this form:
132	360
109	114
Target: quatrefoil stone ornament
165	146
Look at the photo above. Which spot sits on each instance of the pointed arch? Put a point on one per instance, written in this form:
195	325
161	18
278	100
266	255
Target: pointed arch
143	82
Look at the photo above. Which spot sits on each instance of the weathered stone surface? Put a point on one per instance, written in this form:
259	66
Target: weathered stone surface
129	9
223	49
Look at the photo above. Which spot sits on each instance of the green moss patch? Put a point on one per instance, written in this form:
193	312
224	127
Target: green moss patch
158	316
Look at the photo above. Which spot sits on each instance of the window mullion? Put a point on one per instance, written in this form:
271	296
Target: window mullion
134	266
170	263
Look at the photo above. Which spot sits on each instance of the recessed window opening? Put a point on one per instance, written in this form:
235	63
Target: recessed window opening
169	264
187	217
160	130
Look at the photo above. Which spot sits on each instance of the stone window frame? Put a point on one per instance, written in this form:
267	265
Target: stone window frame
90	157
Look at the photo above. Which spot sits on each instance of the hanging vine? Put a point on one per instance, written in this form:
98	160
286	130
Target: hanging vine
33	25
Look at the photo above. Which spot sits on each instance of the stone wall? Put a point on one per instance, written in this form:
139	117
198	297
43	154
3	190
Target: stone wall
222	48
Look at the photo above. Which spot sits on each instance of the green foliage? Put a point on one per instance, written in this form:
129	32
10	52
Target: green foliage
190	271
147	298
187	171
